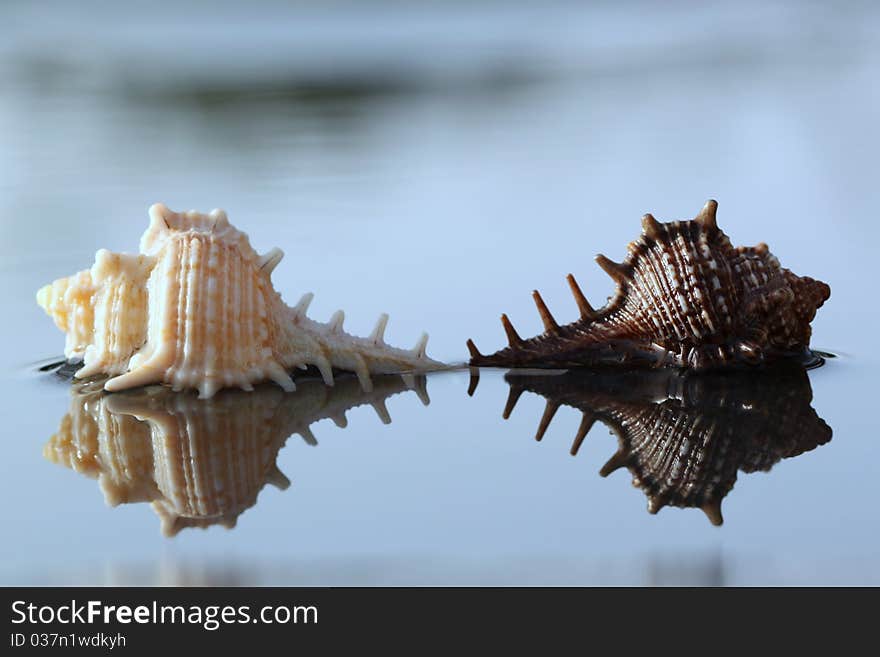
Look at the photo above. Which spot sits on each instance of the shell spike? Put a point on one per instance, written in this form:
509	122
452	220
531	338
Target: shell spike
140	376
474	379
208	387
299	310
44	297
512	397
547	418
170	525
583	429
382	411
421	389
88	370
619	460
712	509
220	218
335	324
550	325
275	372
583	305
377	337
706	218
656	503
325	368
277	478
340	420
421	346
159	215
308	436
615	270
651	227
512	336
363	372
472	348
270	260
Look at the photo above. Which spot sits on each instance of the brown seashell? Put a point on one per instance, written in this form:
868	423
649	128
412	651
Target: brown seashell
685	298
685	436
201	462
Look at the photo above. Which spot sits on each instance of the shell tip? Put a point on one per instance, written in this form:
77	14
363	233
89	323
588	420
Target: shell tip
44	297
656	503
219	217
280	376
382	411
619	272
472	348
583	305
308	436
706	218
474	379
159	214
377	337
549	411
277	478
512	398
616	462
270	259
550	325
712	510
651	227
586	424
336	321
421	347
303	304
512	336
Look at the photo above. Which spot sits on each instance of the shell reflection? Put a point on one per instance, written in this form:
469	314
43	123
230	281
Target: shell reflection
684	437
201	462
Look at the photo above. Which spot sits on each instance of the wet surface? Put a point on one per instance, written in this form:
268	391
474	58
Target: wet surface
501	152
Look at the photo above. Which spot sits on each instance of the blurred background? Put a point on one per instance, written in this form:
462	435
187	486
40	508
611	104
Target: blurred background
438	161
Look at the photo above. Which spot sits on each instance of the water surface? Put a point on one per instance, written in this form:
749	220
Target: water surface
439	164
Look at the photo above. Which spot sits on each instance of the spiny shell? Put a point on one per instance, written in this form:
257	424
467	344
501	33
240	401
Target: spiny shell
201	463
685	298
684	436
196	309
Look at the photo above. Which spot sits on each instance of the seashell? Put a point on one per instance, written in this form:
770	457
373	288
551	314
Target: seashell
684	436
196	309
685	298
201	463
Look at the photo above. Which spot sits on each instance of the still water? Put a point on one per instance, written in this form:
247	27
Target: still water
438	164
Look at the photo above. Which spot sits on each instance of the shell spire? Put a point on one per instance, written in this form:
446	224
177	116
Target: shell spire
685	298
196	309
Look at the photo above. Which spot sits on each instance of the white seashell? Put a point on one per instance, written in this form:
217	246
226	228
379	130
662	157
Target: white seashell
201	463
196	309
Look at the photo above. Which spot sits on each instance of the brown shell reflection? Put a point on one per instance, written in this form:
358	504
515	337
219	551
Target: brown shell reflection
201	462
685	436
